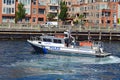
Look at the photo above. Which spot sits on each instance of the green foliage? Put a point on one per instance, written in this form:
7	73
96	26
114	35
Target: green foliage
75	22
50	16
20	14
81	16
63	12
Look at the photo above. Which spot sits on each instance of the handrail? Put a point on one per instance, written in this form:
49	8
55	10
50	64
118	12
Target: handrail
38	27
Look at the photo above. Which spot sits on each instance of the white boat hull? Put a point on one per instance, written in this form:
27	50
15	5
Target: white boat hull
68	50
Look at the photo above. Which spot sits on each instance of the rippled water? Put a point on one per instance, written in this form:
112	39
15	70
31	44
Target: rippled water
18	61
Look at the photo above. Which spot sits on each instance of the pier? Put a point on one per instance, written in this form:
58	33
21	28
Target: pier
25	32
83	35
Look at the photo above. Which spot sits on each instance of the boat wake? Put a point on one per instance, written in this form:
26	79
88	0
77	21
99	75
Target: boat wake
105	60
94	60
53	60
54	64
87	60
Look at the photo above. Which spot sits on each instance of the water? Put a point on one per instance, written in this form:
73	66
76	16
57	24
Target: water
18	61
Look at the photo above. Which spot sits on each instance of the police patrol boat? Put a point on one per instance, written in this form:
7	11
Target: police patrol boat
66	44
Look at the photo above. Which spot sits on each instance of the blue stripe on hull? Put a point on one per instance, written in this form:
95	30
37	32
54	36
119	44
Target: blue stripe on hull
38	49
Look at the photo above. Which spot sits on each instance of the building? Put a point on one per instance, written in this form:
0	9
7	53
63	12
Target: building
96	12
7	10
52	8
36	10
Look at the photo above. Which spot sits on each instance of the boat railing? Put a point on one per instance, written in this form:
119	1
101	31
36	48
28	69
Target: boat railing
35	38
98	44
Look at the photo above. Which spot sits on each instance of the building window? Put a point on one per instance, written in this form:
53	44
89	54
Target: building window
102	21
27	19
114	14
25	2
53	1
9	2
7	19
72	9
40	19
108	21
7	10
4	1
69	9
53	8
12	1
97	15
29	2
34	19
3	10
12	10
34	11
34	2
114	6
69	3
40	11
41	2
27	10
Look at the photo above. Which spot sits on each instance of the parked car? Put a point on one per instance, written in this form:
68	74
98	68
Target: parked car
51	24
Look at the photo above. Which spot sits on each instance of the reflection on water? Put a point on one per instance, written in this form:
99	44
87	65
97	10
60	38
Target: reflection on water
19	62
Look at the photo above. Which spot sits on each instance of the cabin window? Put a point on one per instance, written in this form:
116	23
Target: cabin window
47	40
39	42
57	41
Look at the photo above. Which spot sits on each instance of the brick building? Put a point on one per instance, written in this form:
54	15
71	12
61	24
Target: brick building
96	12
36	10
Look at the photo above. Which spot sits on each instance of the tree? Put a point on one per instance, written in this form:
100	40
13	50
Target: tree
50	16
63	12
20	13
80	17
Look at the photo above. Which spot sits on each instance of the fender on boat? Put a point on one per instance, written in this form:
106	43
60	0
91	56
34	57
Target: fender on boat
45	51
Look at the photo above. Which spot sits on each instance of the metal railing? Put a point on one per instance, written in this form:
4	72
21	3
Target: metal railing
38	27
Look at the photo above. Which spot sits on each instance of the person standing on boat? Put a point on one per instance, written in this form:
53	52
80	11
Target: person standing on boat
68	38
67	42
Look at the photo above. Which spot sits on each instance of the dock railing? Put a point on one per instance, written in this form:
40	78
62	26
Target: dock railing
38	27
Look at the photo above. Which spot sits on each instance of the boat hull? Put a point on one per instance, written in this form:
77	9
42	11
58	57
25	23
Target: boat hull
67	50
37	49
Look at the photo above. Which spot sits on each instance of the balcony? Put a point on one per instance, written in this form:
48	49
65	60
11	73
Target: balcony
53	4
42	7
53	11
12	15
41	4
106	10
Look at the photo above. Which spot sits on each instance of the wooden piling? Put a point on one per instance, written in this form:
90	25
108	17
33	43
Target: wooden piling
88	35
100	33
110	36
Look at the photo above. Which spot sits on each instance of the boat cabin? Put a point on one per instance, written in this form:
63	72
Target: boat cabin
63	42
52	39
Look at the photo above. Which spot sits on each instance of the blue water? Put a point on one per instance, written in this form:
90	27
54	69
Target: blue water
18	61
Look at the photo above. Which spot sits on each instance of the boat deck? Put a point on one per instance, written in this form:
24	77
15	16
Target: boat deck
104	54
